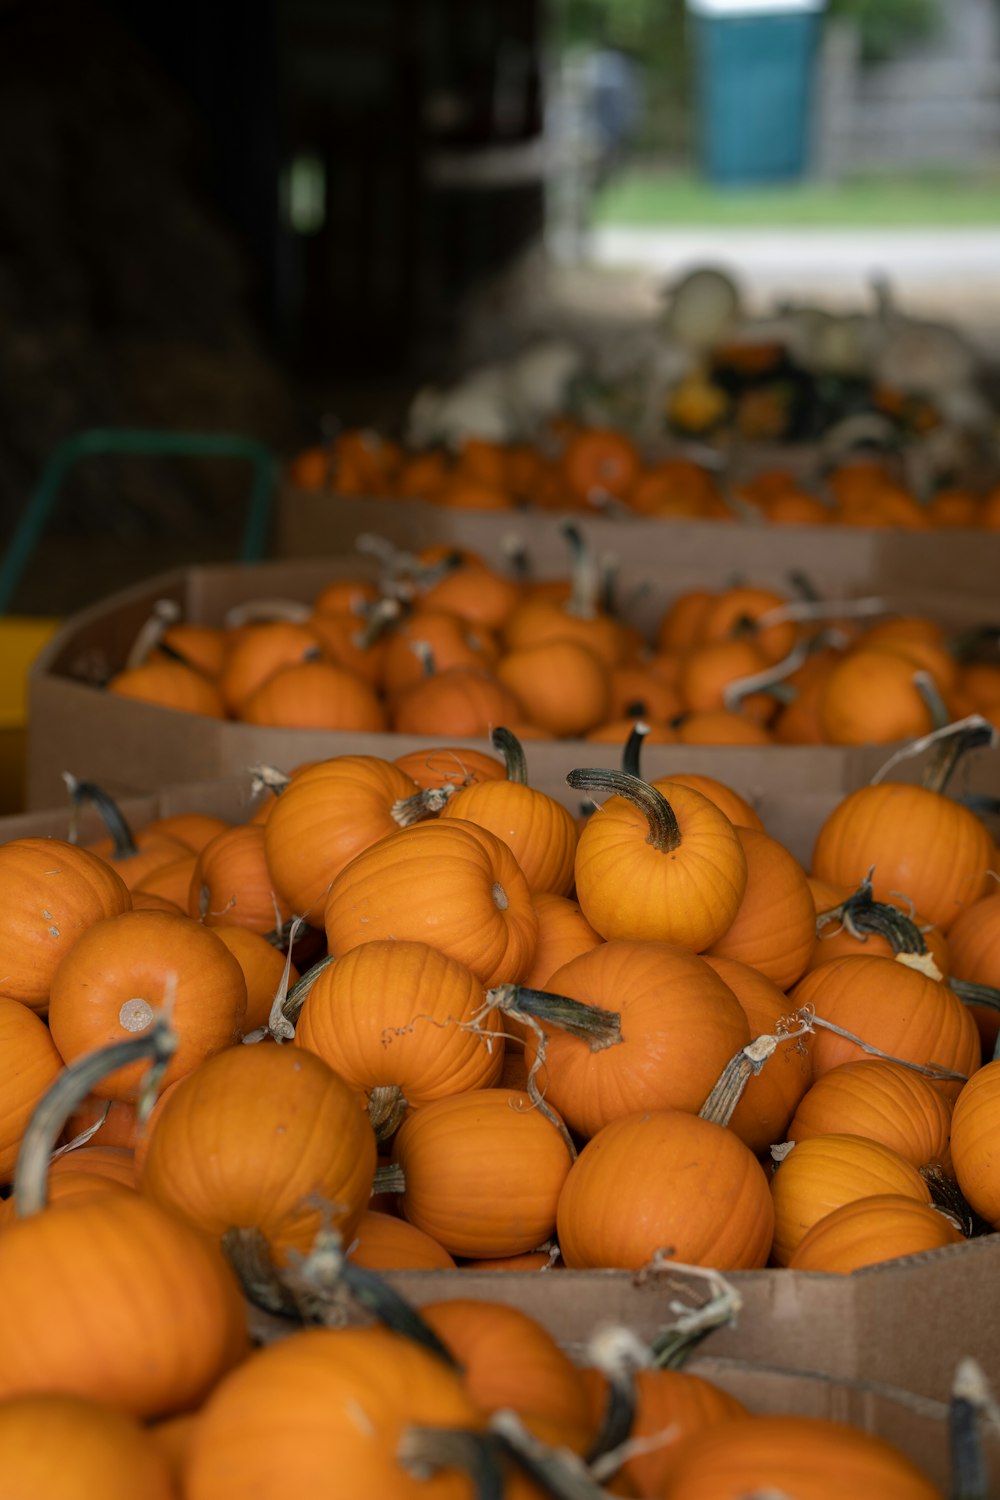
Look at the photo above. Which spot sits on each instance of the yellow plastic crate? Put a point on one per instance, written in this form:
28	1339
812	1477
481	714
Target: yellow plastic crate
21	639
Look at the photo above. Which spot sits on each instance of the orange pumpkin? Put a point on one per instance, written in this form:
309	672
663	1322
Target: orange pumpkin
231	883
452	884
774	929
663	1180
973	1136
882	1101
680	1025
648	868
29	1063
826	1171
483	1172
868	1231
357	1391
53	893
123	969
383	1242
61	1447
808	1457
278	1135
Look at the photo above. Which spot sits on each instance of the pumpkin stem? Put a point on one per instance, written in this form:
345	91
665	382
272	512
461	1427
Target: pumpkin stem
250	1257
929	1070
319	1280
389	1178
672	1345
609	566
861	915
600	1028
975	994
423	1451
84	1137
971	1401
933	702
517	555
279	1027
720	1106
157	1044
414	809
512	750
949	745
377	618
767	679
556	1472
386	1107
81	792
950	1199
166	612
617	1352
632	754
422	651
267	779
664	831
584	574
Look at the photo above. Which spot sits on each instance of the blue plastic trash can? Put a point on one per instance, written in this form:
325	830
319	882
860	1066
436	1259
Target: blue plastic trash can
755	64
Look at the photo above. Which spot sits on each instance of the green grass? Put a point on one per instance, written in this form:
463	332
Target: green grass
648	198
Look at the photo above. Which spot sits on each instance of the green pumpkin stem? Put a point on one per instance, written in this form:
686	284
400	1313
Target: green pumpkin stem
672	1346
156	1044
933	701
512	750
114	820
949	744
664	830
617	1353
166	612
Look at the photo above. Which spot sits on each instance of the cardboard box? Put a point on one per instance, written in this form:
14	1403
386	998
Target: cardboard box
131	746
697	553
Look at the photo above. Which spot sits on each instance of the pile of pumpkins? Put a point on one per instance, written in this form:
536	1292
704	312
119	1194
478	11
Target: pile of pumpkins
447	644
500	1030
602	470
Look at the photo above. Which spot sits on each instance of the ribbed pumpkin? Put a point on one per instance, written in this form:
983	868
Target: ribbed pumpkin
671	1405
459	701
328	813
55	1447
809	1458
974	954
882	1101
262	965
538	830
399	1014
120	1301
973	1142
561	685
29	1063
437	766
356	1390
768	1102
452	641
451	884
315	695
868	1231
231	883
483	1172
827	1171
563	933
511	1362
261	1137
383	1242
123	969
680	1026
925	847
662	1180
53	892
650	868
774	929
258	651
170	684
736	807
892	1007
170	882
